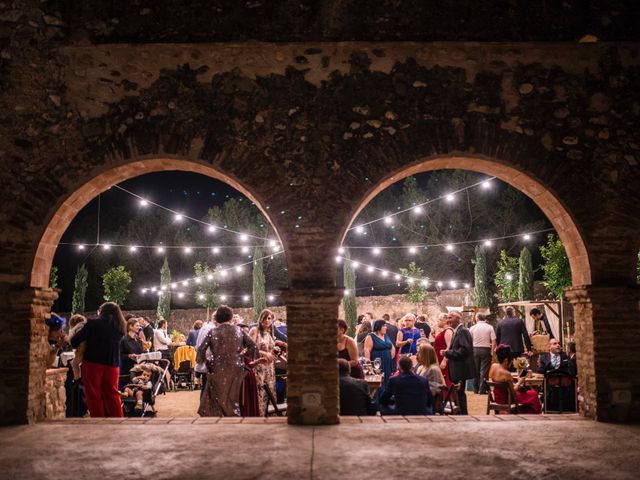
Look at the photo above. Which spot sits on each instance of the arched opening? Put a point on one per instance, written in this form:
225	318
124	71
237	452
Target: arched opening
544	199
223	260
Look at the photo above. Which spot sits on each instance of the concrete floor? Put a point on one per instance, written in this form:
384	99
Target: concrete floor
506	447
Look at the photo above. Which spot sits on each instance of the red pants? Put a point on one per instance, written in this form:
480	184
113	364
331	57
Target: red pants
101	389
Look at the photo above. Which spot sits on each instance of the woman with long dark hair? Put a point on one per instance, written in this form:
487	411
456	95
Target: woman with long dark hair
101	360
265	372
528	401
378	346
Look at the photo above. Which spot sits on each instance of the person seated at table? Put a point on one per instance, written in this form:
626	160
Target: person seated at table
427	366
408	393
527	399
355	397
554	361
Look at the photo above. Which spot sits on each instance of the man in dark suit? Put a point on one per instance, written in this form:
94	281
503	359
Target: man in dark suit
573	362
355	398
409	393
540	317
513	332
560	384
554	360
462	366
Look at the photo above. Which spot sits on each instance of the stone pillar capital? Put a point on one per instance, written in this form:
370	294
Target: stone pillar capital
303	297
583	294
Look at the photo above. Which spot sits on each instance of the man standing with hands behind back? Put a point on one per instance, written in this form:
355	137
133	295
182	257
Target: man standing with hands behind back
513	332
460	356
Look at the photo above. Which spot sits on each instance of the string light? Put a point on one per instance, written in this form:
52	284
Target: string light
341	251
238	268
439	284
244	237
486	184
198	280
180	295
376	251
178	217
417	209
338	259
223	298
245	298
160	250
508	276
466	285
453	284
346	291
174	286
106	246
201	296
185	283
215	250
271	298
244	249
370	269
360	230
133	248
81	247
188	250
388	220
450	197
209	277
413	250
449	247
526	237
144	203
425	283
487	243
212	228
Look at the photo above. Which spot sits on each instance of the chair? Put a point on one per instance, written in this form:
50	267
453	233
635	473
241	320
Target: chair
184	376
273	407
450	408
560	393
510	407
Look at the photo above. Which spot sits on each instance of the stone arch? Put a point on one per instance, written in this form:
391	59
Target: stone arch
66	210
544	198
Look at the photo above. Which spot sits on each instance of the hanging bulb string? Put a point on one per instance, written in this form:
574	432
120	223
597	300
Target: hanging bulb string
155	247
182	215
465	242
419	205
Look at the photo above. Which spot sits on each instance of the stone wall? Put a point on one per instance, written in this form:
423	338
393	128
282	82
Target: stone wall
55	394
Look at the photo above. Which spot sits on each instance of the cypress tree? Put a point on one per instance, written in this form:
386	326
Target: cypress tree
349	301
480	292
164	300
259	295
79	290
525	277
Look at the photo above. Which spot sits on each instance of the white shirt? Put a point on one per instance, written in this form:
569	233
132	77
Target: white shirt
161	340
483	334
206	328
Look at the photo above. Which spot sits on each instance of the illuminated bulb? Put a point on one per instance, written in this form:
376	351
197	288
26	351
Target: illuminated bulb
163	288
185	283
143	203
153	289
178	217
413	250
338	259
276	248
424	283
508	276
410	281
80	247
355	265
526	236
133	248
159	292
486	184
488	243
188	250
212	228
224	273
384	273
245	249
209	277
160	249
106	246
273	243
417	209
215	250
466	285
453	284
144	290
244	237
370	269
440	284
346	291
238	268
376	251
449	197
223	297
397	277
271	298
181	295
174	286
449	248
201	296
341	251
360	229
245	298
388	220
198	280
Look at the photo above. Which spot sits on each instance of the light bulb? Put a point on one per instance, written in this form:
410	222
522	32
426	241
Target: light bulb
81	247
410	281
440	284
488	243
211	228
201	296
417	209
360	229
223	298
181	295
244	237
185	283
370	269
245	298
388	220
397	277
153	289
215	250
449	248
271	298
209	277
198	280
224	273
526	236
244	249
508	276
143	202
449	197
338	259
106	246
174	286
163	288
238	268
160	249
276	249
144	290
133	248
188	250
486	184
355	265
273	243
424	283
453	284
384	273
413	250
341	251
346	291
466	285
178	217
376	251
159	292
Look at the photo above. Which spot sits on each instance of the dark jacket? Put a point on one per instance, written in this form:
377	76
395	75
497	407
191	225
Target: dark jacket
425	328
462	366
103	342
573	366
392	333
355	398
513	332
411	394
192	338
545	366
129	346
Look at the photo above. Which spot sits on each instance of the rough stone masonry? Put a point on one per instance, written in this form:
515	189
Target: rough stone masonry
350	99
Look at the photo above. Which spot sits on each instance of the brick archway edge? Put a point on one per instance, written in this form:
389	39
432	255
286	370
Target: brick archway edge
555	211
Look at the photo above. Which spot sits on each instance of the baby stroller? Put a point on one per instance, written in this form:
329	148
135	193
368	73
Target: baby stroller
159	368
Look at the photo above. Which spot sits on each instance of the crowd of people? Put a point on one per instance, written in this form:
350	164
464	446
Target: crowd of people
420	367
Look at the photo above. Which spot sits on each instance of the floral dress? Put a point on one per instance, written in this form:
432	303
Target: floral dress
265	372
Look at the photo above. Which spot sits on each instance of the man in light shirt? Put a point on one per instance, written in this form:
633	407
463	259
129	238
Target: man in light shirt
484	343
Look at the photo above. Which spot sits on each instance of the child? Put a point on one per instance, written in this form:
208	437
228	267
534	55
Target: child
76	322
141	382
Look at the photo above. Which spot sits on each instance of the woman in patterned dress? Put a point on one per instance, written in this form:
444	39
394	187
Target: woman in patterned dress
265	372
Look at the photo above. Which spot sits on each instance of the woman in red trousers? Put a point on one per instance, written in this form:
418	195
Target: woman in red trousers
101	359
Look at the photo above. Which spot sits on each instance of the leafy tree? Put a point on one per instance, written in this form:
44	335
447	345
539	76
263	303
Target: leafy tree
480	291
416	292
53	277
207	295
164	298
259	294
349	301
556	271
79	290
506	277
116	283
525	275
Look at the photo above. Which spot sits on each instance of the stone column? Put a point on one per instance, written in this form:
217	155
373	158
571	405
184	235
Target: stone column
312	385
24	354
607	322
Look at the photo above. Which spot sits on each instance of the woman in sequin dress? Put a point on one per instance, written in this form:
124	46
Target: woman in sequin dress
265	372
227	344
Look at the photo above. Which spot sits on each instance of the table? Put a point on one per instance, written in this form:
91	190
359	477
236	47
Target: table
374	382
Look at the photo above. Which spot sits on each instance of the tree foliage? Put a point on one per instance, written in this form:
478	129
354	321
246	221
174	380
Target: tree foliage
53	277
525	275
79	290
555	267
164	299
116	283
259	294
416	292
349	301
480	290
207	293
506	277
